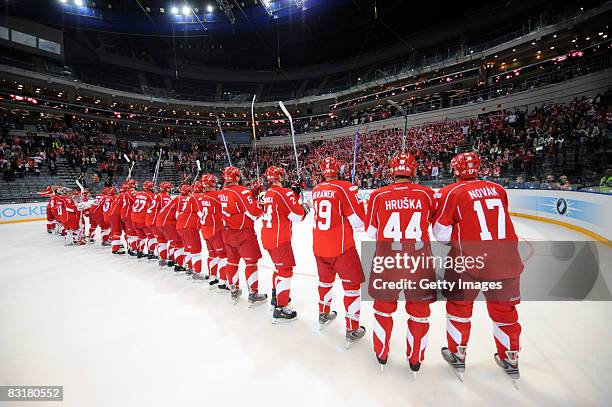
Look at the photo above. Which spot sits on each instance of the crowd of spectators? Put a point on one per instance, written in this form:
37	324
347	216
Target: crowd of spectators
555	145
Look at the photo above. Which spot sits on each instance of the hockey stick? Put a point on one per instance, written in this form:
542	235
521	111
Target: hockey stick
156	173
195	179
255	136
131	166
229	159
354	171
286	112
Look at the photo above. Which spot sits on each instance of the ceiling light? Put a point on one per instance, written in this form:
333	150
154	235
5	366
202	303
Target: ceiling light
186	10
78	2
63	1
174	10
210	8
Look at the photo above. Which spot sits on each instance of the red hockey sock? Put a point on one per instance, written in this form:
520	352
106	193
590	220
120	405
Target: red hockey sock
352	305
325	296
252	277
418	329
383	326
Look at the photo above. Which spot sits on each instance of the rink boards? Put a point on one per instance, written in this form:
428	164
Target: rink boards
580	211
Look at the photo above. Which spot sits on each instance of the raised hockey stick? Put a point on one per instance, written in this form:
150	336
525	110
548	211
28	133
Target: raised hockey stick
195	179
354	171
286	112
255	136
156	173
131	166
229	159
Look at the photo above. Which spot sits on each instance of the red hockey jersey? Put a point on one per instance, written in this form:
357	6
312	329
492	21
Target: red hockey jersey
337	210
400	212
209	213
239	208
281	208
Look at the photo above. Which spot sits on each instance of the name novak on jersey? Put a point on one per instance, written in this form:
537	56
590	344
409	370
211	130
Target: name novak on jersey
484	192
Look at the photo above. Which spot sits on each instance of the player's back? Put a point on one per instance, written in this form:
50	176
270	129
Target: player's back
280	206
238	207
479	211
211	218
336	210
401	212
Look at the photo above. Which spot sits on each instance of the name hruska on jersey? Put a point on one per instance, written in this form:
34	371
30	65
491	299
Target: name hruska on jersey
405	203
325	193
483	192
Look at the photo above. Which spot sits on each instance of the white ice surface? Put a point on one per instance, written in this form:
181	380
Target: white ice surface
115	331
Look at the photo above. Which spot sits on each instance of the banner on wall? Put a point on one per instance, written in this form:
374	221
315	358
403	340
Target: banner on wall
23	212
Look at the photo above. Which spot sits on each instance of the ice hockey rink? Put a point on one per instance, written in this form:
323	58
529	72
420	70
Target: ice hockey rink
116	331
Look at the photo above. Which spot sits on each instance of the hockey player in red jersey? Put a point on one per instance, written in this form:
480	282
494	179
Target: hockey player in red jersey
337	210
72	219
188	226
114	220
168	217
281	207
240	210
49	192
473	216
402	212
160	200
127	199
96	218
138	211
211	227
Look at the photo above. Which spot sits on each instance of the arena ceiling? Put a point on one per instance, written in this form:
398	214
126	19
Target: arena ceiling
248	35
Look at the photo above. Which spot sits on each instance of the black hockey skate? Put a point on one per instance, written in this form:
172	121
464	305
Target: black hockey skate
382	363
120	251
170	263
222	288
326	318
256	299
235	294
178	269
455	360
131	252
283	315
140	255
353	335
163	263
212	283
199	277
510	365
151	256
415	369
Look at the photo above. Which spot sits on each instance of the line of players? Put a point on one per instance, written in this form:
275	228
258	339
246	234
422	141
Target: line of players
160	226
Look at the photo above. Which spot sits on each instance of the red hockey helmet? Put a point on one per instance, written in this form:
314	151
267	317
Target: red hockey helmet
403	164
148	185
231	174
130	183
165	186
111	190
274	173
466	165
185	189
330	167
197	187
208	181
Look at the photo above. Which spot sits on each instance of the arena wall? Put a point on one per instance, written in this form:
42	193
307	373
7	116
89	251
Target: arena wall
587	213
